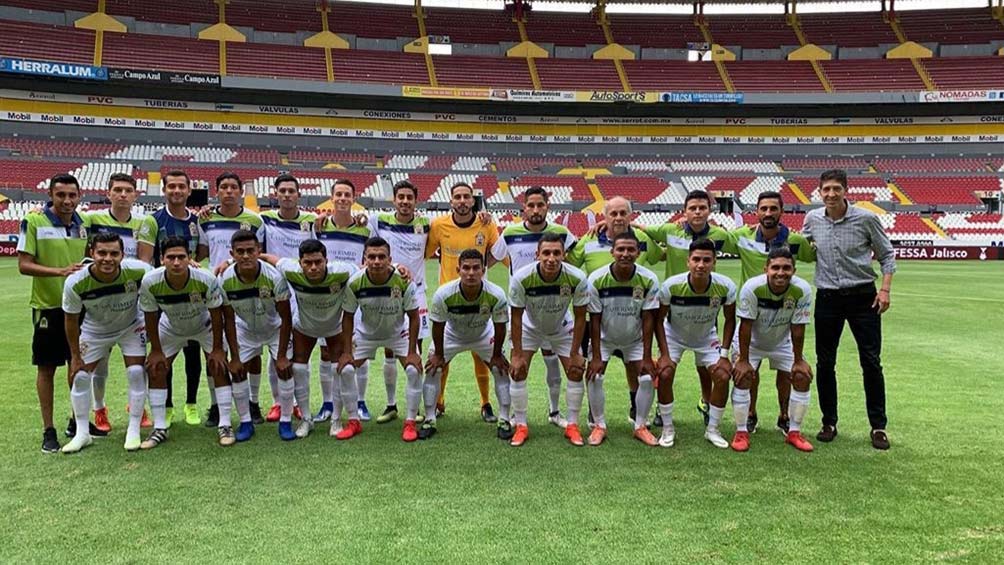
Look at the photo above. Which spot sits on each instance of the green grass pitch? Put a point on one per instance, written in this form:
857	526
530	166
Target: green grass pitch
467	497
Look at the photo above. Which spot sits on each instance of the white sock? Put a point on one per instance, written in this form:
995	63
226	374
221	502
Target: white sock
430	392
574	391
643	400
390	380
598	401
349	392
99	378
301	387
242	398
80	399
273	380
254	384
362	380
502	392
741	407
666	411
552	367
158	407
285	397
225	401
520	401
212	390
798	404
714	416
137	397
327	375
336	397
413	390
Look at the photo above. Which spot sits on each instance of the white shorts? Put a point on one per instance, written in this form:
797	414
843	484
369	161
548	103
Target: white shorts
781	358
363	348
251	345
705	354
483	348
131	341
559	342
171	343
631	351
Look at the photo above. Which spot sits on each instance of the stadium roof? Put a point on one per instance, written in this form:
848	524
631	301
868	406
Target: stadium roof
707	2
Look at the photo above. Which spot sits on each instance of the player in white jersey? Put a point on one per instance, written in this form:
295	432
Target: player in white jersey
690	303
468	314
539	295
182	302
256	311
387	307
774	310
518	243
108	290
623	302
318	288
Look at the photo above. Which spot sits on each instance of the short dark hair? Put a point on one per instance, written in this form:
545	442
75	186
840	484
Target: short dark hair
697	195
461	184
346	182
171	242
106	237
838	175
286	177
404	185
551	237
242	235
780	252
538	190
63	179
701	244
312	246
176	173
376	242
121	177
625	235
770	195
229	175
467	254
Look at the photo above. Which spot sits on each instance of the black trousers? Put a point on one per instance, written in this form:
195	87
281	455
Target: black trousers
193	374
854	306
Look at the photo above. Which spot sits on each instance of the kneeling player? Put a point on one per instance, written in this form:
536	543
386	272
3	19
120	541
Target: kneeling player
257	314
109	290
690	304
774	310
468	314
385	300
623	301
539	295
191	303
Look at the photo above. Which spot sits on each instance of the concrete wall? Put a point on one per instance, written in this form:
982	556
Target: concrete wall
860	53
151	28
763	55
563	52
966	50
653	53
478	50
379	44
274	37
34	16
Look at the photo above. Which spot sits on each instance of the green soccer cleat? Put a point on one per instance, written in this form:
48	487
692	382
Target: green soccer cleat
192	417
389	414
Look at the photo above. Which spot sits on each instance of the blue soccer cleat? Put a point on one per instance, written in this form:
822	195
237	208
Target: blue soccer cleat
286	431
245	431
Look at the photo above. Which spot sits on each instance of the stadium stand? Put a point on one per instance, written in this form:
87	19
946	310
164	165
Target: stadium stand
972	226
276	61
872	75
673	75
172	53
52	43
772	32
570	73
936	165
947	190
458	70
966	72
866	188
958	26
773	76
824	163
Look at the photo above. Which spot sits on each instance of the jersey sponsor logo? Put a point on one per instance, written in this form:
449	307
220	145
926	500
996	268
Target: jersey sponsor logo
637	293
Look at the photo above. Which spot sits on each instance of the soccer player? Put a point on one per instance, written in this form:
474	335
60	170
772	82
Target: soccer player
469	314
109	289
752	244
449	236
518	243
318	286
50	247
774	310
690	303
539	295
385	301
182	302
623	299
256	310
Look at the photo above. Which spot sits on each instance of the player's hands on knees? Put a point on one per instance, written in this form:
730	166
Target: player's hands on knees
236	367
414	360
283	367
665	367
744	373
722	370
434	363
801	373
648	367
576	366
156	363
76	365
500	363
344	360
217	362
595	368
519	366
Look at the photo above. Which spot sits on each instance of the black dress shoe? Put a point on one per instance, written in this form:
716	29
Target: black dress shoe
827	433
880	440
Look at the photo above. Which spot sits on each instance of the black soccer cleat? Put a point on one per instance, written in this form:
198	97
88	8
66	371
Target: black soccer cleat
50	442
427	430
213	416
487	414
71	429
256	416
505	431
751	422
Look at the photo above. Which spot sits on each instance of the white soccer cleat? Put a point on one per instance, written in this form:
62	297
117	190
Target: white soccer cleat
336	426
716	439
132	441
304	429
555	418
79	441
668	438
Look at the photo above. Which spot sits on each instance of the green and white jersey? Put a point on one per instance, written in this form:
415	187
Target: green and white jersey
622	302
282	237
592	252
317	307
381	307
344	244
186	309
520	244
693	316
407	244
215	232
753	249
139	228
53	244
677	239
254	302
545	303
111	306
773	314
469	321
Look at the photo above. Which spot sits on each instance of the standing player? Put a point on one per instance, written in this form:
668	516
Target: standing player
774	309
540	294
623	300
469	314
385	302
518	243
256	309
50	247
690	303
449	236
109	290
192	306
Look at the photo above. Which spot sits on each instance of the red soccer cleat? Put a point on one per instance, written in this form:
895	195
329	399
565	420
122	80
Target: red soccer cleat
597	436
741	441
646	437
145	422
101	420
573	436
351	429
296	413
796	440
410	432
520	435
273	413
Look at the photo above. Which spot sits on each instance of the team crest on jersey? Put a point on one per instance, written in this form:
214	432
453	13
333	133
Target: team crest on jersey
335	288
195	297
130	286
418	229
264	293
193	229
485	309
789	303
479	240
566	291
395	292
304	226
245	226
638	293
83	232
715	301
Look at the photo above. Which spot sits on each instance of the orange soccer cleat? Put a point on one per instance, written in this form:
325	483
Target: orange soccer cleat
410	432
643	435
520	435
351	429
796	440
101	420
741	441
597	436
573	436
273	413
